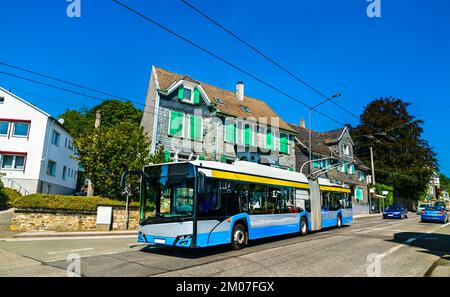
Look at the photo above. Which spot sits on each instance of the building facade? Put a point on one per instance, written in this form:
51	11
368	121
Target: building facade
195	120
332	152
35	149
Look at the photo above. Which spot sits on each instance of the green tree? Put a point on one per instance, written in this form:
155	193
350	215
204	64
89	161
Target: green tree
159	156
402	158
109	151
74	121
445	182
112	112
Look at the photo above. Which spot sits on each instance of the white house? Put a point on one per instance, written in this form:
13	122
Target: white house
35	149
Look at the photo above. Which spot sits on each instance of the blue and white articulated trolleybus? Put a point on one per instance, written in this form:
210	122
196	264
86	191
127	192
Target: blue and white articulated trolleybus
204	203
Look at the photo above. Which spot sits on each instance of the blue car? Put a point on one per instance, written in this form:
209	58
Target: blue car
395	212
434	214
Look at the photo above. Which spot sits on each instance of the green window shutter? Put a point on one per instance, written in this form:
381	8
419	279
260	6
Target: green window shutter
269	144
353	169
196	128
180	92
247	135
166	155
196	96
230	132
176	123
284	143
223	159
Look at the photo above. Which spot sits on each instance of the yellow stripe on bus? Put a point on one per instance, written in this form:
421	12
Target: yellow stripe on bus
334	189
256	179
272	181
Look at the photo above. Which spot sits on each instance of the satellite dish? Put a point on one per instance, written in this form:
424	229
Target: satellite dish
61	121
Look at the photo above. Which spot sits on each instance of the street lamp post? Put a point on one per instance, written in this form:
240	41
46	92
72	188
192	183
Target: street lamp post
309	126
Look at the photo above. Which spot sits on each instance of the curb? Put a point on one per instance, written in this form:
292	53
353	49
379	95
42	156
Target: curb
73	234
374	215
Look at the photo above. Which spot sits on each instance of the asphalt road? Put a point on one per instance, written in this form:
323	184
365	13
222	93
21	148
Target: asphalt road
368	247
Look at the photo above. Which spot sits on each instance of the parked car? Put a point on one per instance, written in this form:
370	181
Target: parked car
395	211
421	207
434	213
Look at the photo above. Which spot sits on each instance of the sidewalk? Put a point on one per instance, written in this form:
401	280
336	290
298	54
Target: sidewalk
54	234
367	215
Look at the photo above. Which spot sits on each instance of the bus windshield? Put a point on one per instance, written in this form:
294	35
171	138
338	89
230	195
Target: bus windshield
170	190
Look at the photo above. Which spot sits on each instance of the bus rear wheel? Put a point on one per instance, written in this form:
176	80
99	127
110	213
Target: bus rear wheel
303	227
339	221
238	237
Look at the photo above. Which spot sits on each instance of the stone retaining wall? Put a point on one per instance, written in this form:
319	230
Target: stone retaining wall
64	220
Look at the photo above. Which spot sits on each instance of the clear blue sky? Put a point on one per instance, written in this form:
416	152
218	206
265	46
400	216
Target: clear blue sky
332	44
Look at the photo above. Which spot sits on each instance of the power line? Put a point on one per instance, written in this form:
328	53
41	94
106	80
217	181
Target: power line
222	59
62	80
271	60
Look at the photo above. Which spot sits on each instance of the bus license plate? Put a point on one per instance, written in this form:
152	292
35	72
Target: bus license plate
161	241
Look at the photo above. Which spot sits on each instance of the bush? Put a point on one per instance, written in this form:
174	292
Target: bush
8	196
389	200
76	203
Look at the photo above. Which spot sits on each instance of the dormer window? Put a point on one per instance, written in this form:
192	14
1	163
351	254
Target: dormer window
245	109
218	100
188	94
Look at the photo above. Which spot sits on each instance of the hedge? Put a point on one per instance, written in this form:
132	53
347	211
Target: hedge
8	196
77	203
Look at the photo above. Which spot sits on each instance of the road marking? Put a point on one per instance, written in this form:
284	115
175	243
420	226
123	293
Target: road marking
70	251
444	225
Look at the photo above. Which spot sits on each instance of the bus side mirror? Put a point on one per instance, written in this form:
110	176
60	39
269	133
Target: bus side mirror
201	183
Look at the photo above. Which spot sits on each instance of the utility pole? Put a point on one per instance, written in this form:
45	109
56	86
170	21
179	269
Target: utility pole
373	166
373	180
98	118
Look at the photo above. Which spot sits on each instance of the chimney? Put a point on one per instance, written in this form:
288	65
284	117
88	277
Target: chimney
240	91
302	123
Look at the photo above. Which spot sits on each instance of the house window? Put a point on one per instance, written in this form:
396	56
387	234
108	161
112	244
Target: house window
13	162
55	138
346	149
65	142
21	129
245	109
4	128
176	124
362	176
189	95
2	100
284	143
196	128
51	168
64	172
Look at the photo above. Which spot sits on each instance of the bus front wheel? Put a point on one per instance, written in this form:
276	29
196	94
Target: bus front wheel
238	237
